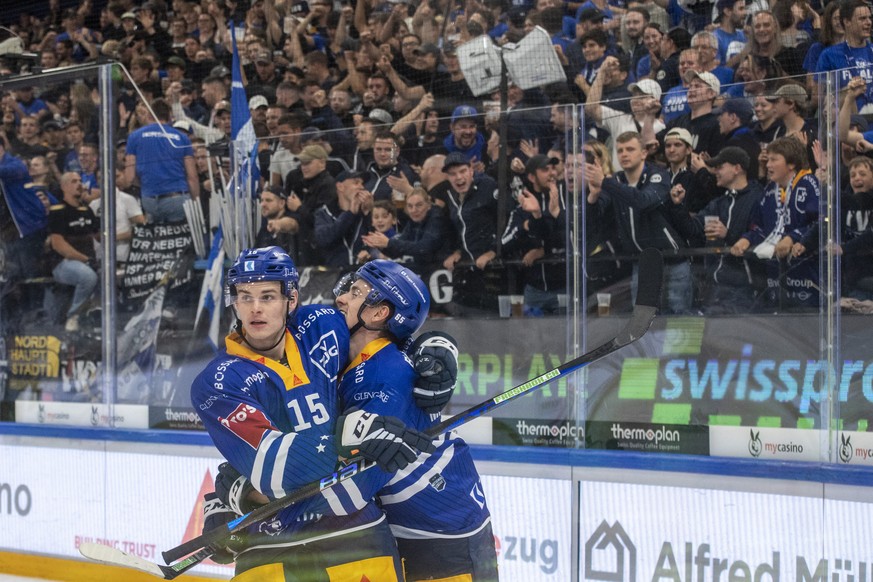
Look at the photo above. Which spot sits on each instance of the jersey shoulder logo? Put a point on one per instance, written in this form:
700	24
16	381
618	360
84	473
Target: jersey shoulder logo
247	423
324	355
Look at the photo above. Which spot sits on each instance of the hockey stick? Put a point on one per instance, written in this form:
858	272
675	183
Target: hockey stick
648	299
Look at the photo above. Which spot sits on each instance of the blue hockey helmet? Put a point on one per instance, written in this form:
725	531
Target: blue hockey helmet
264	264
395	284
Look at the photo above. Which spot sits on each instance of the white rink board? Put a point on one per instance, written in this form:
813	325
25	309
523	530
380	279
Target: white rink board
666	533
532	521
142	503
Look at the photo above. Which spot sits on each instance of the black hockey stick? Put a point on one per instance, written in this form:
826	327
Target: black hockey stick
203	546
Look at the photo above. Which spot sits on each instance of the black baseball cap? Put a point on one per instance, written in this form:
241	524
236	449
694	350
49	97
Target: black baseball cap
455	159
350	175
731	155
538	162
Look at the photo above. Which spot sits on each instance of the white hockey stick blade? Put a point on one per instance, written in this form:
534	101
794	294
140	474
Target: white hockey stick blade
115	557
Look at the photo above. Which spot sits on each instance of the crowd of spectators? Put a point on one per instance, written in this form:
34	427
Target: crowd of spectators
700	132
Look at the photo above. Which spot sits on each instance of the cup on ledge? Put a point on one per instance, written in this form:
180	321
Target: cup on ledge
503	303
517	305
603	301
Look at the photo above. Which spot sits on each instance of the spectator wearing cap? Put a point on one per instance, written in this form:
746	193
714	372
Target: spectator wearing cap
314	136
591	14
471	204
315	189
278	227
789	106
214	95
388	168
54	140
788	211
464	136
706	44
192	106
701	122
645	105
175	68
266	76
854	56
677	152
735	124
258	109
675	100
636	195
731	18
675	41
342	221
536	232
730	287
163	160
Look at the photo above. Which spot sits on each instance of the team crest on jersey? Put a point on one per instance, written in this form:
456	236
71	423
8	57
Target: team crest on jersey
656	179
323	352
438	482
247	423
271	528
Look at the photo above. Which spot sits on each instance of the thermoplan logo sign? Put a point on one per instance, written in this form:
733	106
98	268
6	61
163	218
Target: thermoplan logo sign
610	555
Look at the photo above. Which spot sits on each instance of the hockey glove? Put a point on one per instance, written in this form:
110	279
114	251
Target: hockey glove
435	357
217	514
233	489
383	439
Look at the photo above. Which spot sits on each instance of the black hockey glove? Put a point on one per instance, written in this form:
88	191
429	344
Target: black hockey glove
383	439
435	357
233	489
217	514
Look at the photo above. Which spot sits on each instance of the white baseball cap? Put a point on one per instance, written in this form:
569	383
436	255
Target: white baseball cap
646	87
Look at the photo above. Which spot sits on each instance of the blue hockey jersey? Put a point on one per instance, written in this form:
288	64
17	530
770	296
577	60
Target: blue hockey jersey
275	424
440	495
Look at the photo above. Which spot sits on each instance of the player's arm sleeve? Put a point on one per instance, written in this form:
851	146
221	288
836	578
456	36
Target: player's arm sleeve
275	461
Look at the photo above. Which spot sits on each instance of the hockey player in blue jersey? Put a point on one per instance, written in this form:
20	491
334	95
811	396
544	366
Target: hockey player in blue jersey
270	405
436	505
